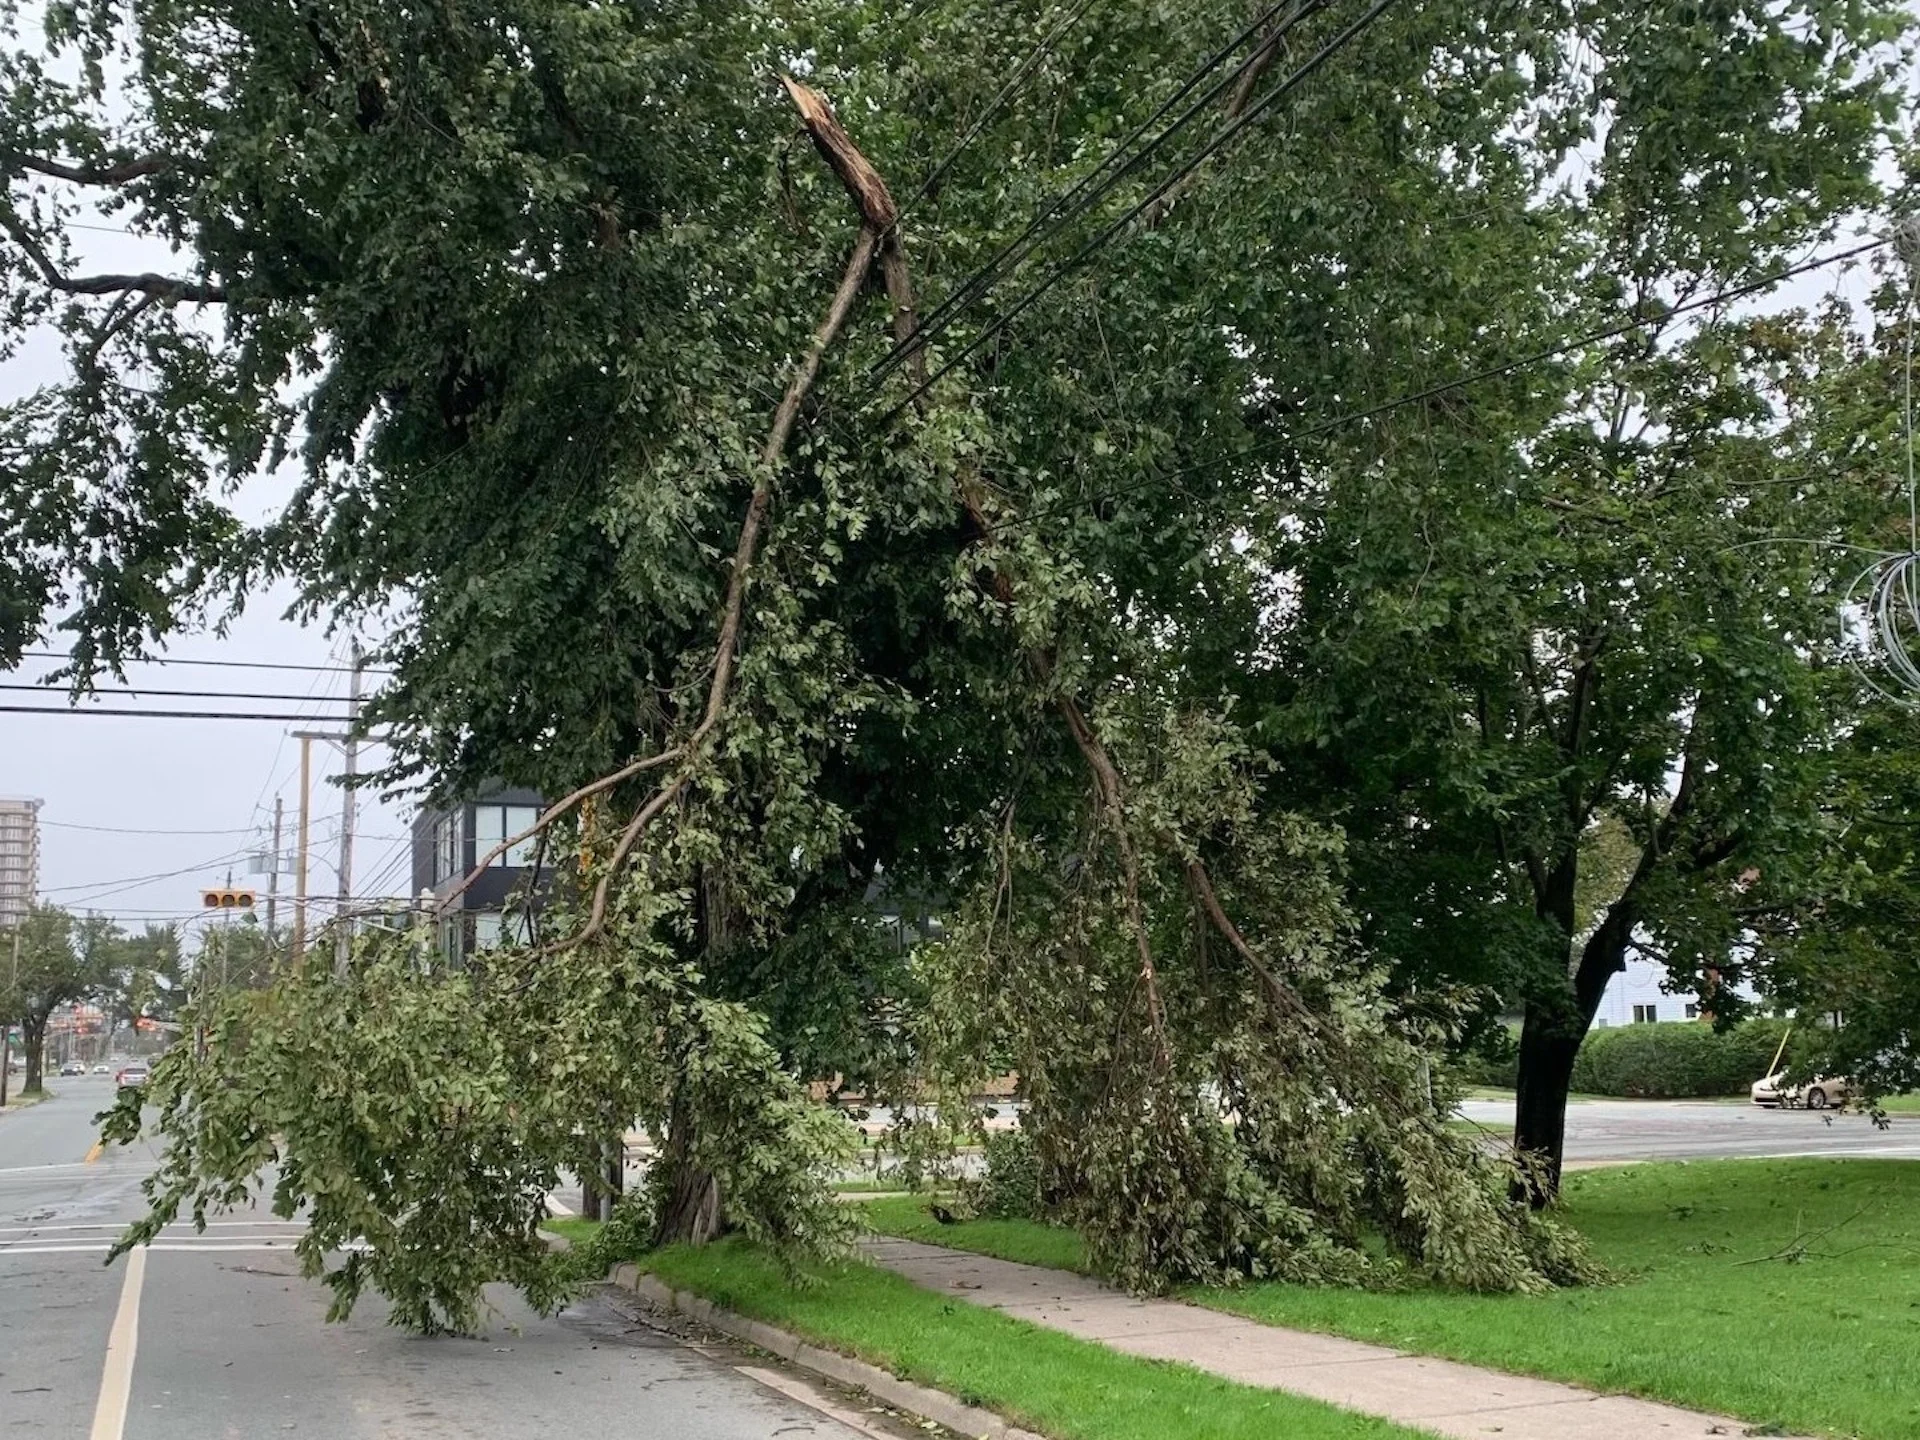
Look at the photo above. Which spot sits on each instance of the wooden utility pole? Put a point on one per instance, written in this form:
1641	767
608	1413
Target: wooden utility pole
273	873
342	923
306	739
300	864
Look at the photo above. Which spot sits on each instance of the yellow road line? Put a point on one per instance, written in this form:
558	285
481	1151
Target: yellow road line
99	1149
116	1380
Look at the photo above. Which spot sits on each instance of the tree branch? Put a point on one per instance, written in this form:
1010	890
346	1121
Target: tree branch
160	287
869	194
118	173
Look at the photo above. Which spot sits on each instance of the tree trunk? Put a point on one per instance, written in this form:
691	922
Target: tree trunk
35	1035
692	1214
1550	1038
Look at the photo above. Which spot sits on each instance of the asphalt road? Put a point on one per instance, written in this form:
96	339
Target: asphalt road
1603	1130
215	1335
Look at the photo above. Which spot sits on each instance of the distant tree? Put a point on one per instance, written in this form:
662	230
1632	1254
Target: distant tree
61	961
145	981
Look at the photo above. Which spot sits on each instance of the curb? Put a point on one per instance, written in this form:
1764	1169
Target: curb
934	1405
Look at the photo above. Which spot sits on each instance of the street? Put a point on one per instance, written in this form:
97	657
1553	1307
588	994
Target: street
215	1335
1602	1130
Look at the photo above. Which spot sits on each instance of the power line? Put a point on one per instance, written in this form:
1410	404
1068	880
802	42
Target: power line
125	830
134	691
1253	113
129	882
216	664
1007	92
172	714
1493	372
1091	185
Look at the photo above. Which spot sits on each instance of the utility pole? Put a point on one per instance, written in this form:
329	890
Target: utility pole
273	873
342	923
300	864
306	739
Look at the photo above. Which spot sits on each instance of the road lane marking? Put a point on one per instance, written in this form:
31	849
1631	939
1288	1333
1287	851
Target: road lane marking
58	1248
116	1381
184	1225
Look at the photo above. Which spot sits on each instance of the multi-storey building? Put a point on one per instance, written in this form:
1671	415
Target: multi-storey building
448	842
19	858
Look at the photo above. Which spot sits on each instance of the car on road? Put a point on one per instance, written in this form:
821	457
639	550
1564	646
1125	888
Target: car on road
73	1067
102	1069
1823	1092
131	1077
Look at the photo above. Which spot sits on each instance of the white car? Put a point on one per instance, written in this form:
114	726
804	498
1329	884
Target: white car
1821	1093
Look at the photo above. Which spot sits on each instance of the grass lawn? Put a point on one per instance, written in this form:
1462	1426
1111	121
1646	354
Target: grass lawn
1053	1383
1829	1341
571	1228
1901	1104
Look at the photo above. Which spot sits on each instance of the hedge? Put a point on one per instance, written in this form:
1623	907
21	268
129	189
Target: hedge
1680	1060
1677	1061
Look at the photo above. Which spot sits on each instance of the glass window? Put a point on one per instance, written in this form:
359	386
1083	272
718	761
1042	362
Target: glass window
1693	1012
486	930
519	818
486	829
1645	1014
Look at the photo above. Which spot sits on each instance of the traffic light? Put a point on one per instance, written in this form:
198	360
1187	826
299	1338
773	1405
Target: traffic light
226	899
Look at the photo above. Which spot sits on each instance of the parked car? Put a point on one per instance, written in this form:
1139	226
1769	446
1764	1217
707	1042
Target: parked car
102	1069
131	1077
73	1067
1820	1093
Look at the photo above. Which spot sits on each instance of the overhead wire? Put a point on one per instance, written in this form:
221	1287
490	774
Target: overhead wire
134	692
1014	83
1092	187
332	669
126	714
1253	113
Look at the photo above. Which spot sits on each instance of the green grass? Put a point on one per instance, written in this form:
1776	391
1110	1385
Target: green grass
571	1228
1701	1318
1901	1104
1054	1383
908	1217
868	1185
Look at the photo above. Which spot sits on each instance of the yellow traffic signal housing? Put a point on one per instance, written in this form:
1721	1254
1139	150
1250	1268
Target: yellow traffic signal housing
226	899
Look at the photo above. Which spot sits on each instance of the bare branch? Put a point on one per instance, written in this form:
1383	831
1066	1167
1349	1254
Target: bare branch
160	287
863	182
118	173
554	812
1111	791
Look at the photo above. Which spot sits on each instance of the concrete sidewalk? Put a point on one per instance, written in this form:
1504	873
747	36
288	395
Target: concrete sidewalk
1438	1396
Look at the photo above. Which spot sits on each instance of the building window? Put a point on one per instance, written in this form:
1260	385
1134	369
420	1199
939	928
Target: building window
1693	1012
1645	1014
447	859
494	823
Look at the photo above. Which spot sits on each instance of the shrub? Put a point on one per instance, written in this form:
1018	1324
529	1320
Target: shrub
1009	1187
1675	1061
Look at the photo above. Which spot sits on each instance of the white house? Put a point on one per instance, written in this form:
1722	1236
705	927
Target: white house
1636	996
